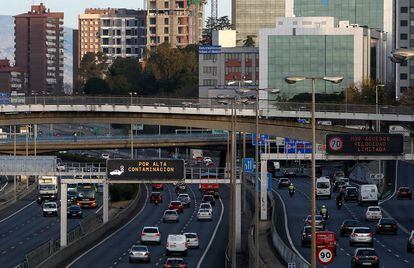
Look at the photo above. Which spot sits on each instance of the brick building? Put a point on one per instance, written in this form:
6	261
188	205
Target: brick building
12	78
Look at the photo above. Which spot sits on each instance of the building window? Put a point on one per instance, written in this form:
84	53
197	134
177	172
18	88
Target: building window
128	50
209	82
404	36
166	39
209	57
166	5
404	9
403	23
166	21
210	70
403	89
153	30
166	30
118	41
105	41
153	21
403	76
118	50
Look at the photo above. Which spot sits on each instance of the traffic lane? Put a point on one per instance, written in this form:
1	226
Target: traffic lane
402	210
188	223
105	253
390	249
298	207
218	247
20	206
21	239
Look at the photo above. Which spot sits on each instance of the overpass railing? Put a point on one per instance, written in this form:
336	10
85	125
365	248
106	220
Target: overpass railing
266	105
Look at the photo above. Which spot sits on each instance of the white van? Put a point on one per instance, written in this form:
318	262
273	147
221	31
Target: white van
368	194
323	187
176	244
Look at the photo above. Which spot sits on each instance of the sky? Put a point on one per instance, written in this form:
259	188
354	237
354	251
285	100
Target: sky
72	8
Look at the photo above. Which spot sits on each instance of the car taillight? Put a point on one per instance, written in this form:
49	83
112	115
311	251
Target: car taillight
168	244
167	266
157	234
303	234
356	258
375	259
182	265
353	235
186	244
369	234
142	234
146	254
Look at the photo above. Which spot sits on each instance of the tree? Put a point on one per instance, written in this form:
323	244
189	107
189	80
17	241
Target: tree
327	98
131	70
93	65
407	98
249	41
365	93
96	86
222	23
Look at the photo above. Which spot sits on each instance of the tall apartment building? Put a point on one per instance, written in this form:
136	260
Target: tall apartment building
404	39
250	16
39	49
178	22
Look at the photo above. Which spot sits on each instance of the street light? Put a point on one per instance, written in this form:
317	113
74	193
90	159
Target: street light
132	94
377	107
293	80
401	55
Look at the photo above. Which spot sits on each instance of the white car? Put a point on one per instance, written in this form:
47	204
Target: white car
204	214
50	209
105	156
60	167
176	244
192	240
150	234
206	206
373	213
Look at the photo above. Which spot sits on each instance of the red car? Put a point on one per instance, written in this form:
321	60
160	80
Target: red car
404	192
158	187
177	206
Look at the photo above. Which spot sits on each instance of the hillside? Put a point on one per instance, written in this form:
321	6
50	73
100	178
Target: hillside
7	45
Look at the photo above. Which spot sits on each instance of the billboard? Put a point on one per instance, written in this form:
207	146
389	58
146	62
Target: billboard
365	144
161	169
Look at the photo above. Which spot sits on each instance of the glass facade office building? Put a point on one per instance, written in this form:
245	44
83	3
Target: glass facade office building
313	55
361	12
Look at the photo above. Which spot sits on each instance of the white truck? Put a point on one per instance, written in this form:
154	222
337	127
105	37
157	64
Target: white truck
197	155
368	193
48	188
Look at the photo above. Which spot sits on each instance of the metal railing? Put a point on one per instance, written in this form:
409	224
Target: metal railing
268	105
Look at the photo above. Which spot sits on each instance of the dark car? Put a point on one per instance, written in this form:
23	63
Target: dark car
351	194
404	192
157	186
155	196
365	257
177	206
180	188
71	196
410	242
283	182
348	225
306	237
289	174
386	225
175	263
74	211
209	199
338	185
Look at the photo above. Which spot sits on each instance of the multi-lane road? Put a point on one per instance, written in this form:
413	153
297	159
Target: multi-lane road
113	250
23	228
390	248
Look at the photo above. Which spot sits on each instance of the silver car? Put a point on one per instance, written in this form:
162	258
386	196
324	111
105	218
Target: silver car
139	253
361	235
192	240
204	214
170	215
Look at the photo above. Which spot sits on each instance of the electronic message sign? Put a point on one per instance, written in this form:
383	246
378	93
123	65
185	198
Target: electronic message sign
365	144
162	169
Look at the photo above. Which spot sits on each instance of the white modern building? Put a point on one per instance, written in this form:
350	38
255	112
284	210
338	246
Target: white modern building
320	46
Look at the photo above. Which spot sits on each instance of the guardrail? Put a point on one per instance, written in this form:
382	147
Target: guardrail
285	252
268	105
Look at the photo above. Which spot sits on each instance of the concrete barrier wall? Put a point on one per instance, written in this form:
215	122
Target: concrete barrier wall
63	256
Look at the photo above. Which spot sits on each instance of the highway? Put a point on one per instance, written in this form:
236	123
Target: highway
391	249
113	251
23	228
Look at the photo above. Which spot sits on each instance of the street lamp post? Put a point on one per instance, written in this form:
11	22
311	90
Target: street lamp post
377	127
293	80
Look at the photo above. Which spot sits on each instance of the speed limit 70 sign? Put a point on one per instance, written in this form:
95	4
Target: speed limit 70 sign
325	256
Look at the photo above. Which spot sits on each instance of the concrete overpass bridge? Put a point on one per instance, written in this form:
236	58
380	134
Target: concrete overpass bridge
45	144
275	118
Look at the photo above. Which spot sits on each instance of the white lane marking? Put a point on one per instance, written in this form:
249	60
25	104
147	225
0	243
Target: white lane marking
2	188
406	261
17	212
212	237
114	233
287	227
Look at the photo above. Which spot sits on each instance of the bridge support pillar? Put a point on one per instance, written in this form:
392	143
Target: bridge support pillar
63	215
238	218
105	200
263	190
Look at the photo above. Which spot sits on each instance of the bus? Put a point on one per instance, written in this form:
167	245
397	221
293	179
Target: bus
86	196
